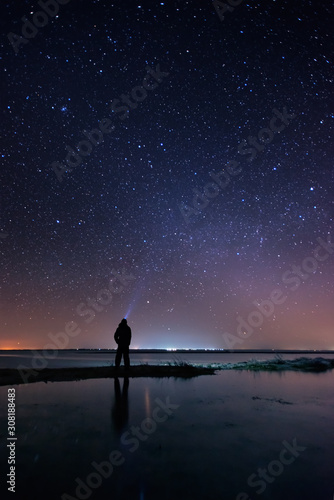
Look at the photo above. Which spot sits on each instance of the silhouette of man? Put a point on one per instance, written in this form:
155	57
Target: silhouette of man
123	339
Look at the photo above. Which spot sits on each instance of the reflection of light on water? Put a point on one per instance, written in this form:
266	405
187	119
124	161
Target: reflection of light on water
147	402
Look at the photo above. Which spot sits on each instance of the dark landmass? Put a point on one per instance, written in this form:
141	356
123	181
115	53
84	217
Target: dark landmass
272	400
9	376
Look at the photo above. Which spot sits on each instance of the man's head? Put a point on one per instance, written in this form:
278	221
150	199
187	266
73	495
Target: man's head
123	322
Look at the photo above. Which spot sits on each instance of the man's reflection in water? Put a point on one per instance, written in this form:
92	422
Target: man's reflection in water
120	408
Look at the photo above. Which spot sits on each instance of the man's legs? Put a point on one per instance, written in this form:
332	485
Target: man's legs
118	357
126	356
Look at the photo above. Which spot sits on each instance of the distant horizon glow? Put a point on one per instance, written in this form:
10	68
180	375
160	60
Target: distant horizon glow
167	349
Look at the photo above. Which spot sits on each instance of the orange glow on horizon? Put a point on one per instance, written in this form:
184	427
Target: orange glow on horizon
11	348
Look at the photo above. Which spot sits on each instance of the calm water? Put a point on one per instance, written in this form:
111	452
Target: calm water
218	432
10	359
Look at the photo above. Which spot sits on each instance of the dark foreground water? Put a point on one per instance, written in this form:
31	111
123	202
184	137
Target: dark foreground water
235	435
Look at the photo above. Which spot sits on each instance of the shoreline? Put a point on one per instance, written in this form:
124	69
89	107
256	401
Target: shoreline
14	376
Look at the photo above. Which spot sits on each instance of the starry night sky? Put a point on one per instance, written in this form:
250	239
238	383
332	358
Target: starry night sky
124	232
